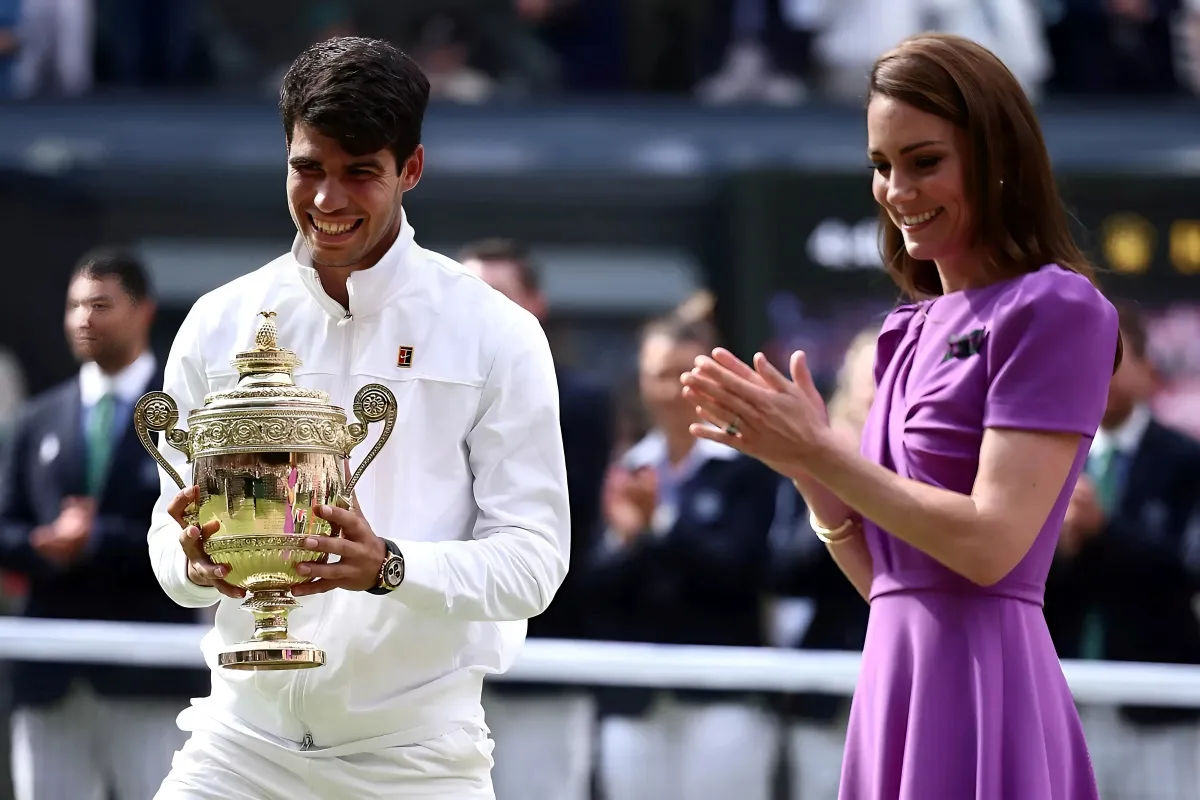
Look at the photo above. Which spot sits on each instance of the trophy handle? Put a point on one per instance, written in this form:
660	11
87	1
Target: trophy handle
374	402
156	411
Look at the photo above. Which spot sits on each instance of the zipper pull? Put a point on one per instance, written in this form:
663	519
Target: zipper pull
307	742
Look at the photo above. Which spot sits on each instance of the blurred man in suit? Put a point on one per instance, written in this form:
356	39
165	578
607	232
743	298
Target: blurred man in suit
75	501
544	734
1125	575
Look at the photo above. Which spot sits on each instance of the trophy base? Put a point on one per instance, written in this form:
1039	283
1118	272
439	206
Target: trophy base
269	655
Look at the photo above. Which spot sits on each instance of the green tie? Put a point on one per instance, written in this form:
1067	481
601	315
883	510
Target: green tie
99	443
1104	473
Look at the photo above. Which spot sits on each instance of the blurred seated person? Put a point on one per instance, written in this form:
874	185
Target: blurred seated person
682	562
813	592
1125	575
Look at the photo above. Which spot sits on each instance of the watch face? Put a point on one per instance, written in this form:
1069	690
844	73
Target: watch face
393	572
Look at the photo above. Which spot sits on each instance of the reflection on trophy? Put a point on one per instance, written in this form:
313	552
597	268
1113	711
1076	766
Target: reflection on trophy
264	454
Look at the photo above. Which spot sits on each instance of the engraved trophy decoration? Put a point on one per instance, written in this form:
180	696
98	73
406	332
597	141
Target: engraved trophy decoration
264	454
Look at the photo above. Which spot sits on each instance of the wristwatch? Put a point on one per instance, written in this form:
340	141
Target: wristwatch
391	573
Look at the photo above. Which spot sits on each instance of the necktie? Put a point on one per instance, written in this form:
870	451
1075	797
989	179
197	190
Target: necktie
1104	469
1106	474
99	442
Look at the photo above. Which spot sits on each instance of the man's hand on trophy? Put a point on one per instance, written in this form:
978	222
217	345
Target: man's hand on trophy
360	554
200	570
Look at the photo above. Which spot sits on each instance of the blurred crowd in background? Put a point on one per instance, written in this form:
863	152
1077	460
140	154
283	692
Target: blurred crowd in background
674	541
719	51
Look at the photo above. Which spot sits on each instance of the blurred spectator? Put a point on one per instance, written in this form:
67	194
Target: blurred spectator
444	53
323	20
12	391
765	45
495	37
56	47
9	44
826	610
1127	568
667	43
588	37
152	43
1114	46
75	501
1187	32
682	562
545	733
852	34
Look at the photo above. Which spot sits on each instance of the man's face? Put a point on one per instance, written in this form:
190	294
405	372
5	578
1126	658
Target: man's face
103	323
1135	382
346	207
505	277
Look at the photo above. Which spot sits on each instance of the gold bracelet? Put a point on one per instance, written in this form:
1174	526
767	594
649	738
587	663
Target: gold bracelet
838	534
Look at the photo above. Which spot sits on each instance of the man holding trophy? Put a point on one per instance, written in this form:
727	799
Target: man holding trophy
359	608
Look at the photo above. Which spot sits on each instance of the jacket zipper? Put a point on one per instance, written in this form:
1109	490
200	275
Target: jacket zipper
306	742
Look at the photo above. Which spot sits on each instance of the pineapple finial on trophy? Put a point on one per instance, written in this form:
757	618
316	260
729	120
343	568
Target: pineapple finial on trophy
267	335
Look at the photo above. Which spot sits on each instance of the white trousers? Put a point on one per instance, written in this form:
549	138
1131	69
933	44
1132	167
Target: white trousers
544	745
1138	762
815	759
56	47
234	766
689	751
81	746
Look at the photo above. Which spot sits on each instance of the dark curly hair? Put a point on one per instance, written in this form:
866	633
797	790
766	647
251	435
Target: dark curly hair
365	94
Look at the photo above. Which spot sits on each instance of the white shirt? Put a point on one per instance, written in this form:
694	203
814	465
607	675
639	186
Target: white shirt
1126	437
128	385
472	485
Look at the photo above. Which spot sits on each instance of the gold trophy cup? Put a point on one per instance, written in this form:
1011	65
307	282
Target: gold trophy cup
264	454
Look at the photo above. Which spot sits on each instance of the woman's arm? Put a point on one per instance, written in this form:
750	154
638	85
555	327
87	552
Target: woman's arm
850	554
854	560
981	536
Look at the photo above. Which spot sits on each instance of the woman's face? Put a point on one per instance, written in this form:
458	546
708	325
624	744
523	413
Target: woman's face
919	161
660	364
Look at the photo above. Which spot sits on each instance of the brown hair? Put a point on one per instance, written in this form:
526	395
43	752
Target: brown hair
1010	187
509	251
691	321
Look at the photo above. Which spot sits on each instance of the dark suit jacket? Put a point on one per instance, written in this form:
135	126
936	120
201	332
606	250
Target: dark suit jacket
586	416
43	463
1142	570
800	566
700	582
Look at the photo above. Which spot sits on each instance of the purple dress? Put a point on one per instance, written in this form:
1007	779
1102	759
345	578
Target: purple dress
961	695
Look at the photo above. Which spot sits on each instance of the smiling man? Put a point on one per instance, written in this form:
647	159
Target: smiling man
460	531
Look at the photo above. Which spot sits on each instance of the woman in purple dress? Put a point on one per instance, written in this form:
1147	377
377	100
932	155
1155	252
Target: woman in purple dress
990	387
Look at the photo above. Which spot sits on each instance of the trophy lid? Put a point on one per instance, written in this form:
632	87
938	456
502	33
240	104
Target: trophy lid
265	374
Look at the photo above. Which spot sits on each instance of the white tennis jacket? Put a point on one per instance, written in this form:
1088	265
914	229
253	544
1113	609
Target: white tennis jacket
472	485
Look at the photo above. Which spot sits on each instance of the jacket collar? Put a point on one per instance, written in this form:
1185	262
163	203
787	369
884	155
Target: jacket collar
1126	437
128	384
370	289
651	451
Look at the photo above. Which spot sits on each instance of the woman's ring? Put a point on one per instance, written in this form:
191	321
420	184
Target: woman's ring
732	428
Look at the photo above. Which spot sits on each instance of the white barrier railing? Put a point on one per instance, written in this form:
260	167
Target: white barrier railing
597	663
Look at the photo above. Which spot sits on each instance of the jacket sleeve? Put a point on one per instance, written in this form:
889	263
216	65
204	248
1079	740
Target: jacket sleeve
184	380
517	558
17	521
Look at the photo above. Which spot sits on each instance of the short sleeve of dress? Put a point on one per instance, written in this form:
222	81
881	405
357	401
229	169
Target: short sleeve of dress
1050	355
